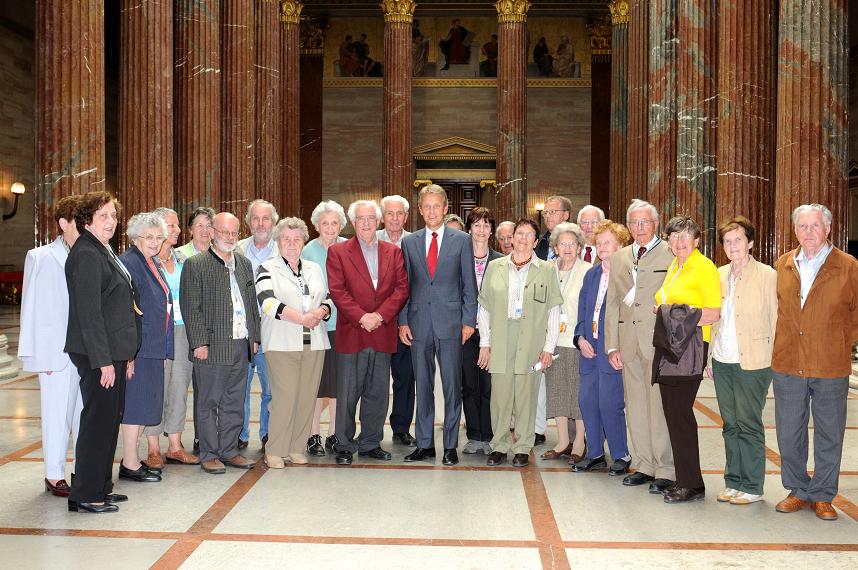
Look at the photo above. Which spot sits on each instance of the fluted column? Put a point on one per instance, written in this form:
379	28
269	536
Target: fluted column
146	106
69	104
811	147
511	190
238	58
290	91
600	111
637	139
746	119
397	162
197	125
269	153
312	68
618	192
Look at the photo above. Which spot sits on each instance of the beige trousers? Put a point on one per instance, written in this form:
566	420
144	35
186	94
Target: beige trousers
294	379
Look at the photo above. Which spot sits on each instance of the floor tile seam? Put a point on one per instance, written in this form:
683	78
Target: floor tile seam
657	545
93	533
545	528
20	453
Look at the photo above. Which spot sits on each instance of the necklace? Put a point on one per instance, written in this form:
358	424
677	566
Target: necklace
519	265
166	259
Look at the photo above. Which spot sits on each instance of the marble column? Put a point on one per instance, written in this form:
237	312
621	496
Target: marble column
290	93
146	106
511	189
618	194
238	104
811	145
637	138
69	77
312	69
197	112
269	154
746	119
600	111
397	162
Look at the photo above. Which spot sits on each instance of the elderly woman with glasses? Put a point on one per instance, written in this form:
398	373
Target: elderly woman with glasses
144	394
688	302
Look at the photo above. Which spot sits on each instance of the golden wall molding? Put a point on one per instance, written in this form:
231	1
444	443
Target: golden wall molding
601	35
619	12
512	10
398	10
290	12
312	36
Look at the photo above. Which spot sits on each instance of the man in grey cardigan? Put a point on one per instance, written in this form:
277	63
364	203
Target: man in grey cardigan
218	298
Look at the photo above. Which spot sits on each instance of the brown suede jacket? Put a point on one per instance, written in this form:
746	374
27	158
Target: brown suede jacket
816	341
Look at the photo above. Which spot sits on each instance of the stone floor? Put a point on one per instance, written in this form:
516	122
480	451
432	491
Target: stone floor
397	515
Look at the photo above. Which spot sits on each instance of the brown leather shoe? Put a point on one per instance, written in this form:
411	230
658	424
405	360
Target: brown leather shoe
183	457
551	454
61	489
213	466
792	504
154	461
825	511
239	461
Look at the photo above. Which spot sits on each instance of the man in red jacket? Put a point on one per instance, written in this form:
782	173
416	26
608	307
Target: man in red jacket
369	286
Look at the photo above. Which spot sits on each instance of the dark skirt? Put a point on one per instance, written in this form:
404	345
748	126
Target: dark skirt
144	393
328	385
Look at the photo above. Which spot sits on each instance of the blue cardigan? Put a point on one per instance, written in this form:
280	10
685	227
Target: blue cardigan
157	341
584	327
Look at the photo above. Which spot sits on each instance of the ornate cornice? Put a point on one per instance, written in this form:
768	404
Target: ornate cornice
619	12
600	35
512	10
290	12
312	36
398	10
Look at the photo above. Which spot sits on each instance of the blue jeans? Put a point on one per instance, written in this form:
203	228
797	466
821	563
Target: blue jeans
258	362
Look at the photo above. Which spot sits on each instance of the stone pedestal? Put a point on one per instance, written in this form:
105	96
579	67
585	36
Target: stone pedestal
290	97
312	68
618	187
269	153
69	78
8	364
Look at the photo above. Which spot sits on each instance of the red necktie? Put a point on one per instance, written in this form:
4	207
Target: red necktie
587	257
432	258
641	251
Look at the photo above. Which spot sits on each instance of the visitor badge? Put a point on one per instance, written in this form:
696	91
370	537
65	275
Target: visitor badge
305	303
564	321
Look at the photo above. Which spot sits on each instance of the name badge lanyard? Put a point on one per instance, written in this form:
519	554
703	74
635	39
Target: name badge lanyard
635	260
302	289
600	299
521	275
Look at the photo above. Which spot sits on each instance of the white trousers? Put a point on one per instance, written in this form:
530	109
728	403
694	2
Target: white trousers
61	406
541	403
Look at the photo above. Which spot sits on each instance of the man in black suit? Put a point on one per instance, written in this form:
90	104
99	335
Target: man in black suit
218	300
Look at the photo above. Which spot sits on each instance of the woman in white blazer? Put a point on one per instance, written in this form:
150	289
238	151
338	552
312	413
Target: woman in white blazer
44	319
293	297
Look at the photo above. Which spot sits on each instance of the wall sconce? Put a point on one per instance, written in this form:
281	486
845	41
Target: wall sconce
17	189
539	207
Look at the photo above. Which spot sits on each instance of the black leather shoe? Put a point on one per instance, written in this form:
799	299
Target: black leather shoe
590	464
619	467
420	454
331	442
344	458
520	460
539	439
196	446
659	486
115	498
242	444
155	470
404	438
98	508
377	453
684	495
638	478
141	474
315	447
264	441
496	458
450	457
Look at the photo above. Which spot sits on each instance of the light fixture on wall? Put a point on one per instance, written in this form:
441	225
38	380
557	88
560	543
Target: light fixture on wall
17	189
539	207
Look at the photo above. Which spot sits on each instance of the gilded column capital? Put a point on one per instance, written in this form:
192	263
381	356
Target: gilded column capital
312	36
398	10
600	31
512	10
619	11
290	12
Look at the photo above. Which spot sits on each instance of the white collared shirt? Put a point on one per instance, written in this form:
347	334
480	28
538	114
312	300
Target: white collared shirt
440	232
809	268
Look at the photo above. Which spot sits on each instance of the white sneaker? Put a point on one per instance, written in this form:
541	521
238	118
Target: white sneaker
727	495
745	499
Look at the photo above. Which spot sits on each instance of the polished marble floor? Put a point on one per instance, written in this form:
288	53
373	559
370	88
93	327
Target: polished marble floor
403	516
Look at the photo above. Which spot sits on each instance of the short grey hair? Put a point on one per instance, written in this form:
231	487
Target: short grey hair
590	207
641	205
805	208
431	189
454	218
261	202
504	224
165	211
566	228
144	221
360	204
290	224
325	207
394	198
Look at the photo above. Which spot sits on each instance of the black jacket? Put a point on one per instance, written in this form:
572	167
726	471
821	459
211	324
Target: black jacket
103	325
678	341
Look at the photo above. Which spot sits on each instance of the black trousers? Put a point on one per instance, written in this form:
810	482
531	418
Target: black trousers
678	403
476	392
402	410
99	429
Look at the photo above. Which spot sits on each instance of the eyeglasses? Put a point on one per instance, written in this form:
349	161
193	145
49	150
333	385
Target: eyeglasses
640	224
152	238
567	244
553	212
680	237
225	233
589	223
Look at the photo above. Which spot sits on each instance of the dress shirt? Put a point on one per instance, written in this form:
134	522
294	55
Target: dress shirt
440	232
258	256
808	269
726	347
370	256
239	318
382	235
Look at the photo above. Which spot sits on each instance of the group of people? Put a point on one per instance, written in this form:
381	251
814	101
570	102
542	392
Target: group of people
604	327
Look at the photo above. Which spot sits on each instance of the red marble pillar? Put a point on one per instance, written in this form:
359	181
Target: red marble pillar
600	112
146	106
746	119
618	197
811	145
290	93
197	112
269	154
238	116
312	67
511	168
69	104
397	162
637	139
